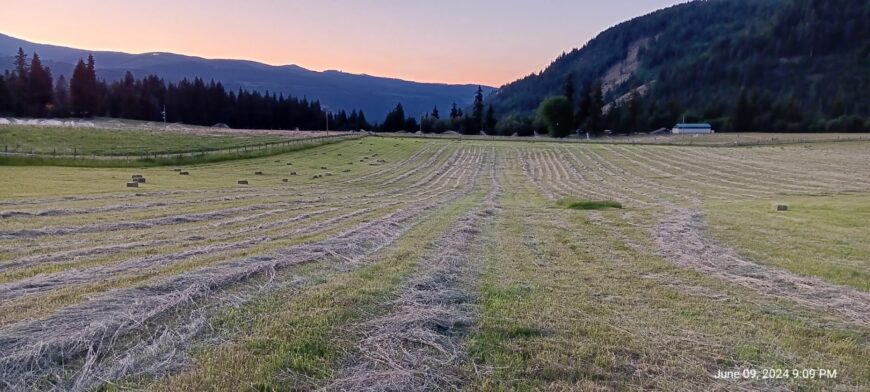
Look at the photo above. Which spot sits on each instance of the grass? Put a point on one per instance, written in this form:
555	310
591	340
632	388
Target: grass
821	236
573	304
574	293
166	160
64	141
576	204
296	340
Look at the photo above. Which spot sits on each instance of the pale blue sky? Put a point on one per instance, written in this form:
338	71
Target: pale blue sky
472	41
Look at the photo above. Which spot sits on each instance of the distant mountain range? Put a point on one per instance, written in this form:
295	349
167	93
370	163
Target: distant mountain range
337	90
797	60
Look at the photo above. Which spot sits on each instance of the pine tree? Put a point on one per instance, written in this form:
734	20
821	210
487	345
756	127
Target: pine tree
21	64
454	111
61	97
477	111
6	103
594	116
489	122
39	88
83	89
435	113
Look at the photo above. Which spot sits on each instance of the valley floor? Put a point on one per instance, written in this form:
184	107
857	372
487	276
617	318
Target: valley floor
416	264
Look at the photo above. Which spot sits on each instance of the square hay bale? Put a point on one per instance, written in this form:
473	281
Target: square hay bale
183	173
284	180
780	207
140	180
258	173
243	182
132	184
346	171
323	168
292	173
176	170
136	176
289	164
328	174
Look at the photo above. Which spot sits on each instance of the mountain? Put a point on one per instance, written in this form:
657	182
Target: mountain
797	62
337	90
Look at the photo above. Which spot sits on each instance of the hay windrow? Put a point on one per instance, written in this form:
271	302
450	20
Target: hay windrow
420	345
681	237
78	343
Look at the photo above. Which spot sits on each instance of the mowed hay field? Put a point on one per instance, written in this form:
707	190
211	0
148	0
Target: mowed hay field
411	264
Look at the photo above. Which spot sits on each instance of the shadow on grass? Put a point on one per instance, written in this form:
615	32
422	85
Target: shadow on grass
577	204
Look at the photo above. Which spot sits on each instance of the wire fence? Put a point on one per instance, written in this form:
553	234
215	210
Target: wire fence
77	153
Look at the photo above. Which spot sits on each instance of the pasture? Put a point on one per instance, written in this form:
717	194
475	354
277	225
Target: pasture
415	264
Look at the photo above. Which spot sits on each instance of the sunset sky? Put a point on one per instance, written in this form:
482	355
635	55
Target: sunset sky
472	41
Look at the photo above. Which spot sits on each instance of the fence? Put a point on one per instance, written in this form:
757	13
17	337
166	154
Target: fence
246	149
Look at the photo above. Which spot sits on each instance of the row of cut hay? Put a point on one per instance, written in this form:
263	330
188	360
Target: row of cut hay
81	345
420	345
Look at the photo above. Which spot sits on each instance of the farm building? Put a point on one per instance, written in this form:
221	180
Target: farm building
700	128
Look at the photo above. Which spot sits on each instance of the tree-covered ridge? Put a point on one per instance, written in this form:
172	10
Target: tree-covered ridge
800	65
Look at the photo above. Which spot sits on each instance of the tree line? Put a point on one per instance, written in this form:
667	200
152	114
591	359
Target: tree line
481	119
29	90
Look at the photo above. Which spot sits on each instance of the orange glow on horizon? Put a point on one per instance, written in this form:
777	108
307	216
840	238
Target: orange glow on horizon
487	43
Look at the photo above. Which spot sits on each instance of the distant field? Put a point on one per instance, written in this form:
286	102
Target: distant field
730	138
83	141
452	264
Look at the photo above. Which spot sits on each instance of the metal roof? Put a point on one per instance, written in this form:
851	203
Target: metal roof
697	125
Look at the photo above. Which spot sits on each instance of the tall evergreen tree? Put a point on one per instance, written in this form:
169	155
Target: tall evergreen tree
435	113
454	111
395	120
83	89
6	103
21	64
40	88
594	116
477	111
490	121
61	97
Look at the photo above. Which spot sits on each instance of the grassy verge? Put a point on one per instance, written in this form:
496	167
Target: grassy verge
822	236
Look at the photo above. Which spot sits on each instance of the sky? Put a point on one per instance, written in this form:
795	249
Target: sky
487	42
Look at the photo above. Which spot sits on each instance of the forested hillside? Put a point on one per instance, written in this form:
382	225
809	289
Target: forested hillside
743	65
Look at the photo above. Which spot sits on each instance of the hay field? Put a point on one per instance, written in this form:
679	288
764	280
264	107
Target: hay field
417	264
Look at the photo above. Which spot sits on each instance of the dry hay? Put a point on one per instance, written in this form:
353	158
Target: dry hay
122	332
420	346
681	237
